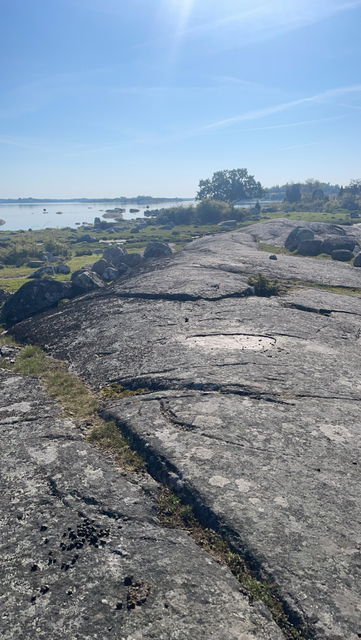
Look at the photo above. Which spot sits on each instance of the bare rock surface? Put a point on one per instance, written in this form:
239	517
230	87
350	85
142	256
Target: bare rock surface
249	405
83	555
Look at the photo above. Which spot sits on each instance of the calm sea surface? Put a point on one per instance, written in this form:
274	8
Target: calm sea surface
33	216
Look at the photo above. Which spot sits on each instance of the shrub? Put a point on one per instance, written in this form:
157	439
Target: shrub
266	287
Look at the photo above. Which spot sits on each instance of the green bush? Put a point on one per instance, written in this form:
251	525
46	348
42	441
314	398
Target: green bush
266	287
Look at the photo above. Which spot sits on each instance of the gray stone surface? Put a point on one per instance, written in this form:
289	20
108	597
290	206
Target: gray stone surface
252	404
33	297
83	555
86	280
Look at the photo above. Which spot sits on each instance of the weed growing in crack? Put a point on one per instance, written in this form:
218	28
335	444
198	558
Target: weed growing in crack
173	513
266	287
116	390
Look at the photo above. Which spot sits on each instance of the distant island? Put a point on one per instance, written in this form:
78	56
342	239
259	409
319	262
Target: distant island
138	200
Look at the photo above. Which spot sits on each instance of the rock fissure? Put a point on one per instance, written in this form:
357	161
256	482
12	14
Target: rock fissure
169	475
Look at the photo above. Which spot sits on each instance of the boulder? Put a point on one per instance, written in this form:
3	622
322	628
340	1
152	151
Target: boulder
342	255
332	243
4	295
110	273
357	260
273	257
33	297
298	235
100	266
157	250
132	259
86	280
35	264
43	271
114	255
86	237
310	247
62	268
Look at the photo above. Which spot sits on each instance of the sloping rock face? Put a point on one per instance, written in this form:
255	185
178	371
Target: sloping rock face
249	406
83	554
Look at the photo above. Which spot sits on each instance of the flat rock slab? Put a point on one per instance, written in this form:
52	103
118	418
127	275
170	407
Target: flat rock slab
83	554
250	404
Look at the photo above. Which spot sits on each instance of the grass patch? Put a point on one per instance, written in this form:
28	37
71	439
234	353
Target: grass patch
173	513
266	287
78	402
107	436
272	248
115	390
346	291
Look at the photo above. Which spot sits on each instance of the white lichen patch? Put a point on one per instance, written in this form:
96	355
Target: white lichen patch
243	342
218	481
337	433
243	485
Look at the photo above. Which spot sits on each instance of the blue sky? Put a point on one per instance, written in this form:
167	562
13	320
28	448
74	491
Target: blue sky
122	97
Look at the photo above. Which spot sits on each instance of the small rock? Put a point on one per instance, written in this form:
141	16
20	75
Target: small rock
273	257
43	271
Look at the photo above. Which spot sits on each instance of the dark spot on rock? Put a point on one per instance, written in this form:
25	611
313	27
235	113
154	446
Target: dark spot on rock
34	567
44	589
33	598
128	581
43	527
186	319
319	470
119	606
137	594
46	540
69	592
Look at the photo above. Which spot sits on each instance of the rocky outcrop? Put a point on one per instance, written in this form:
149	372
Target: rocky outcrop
83	554
234	401
33	297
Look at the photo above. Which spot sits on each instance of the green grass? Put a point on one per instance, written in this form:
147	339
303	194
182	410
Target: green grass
309	216
78	402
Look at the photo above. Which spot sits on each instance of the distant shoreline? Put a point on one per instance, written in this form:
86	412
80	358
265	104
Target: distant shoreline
123	200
